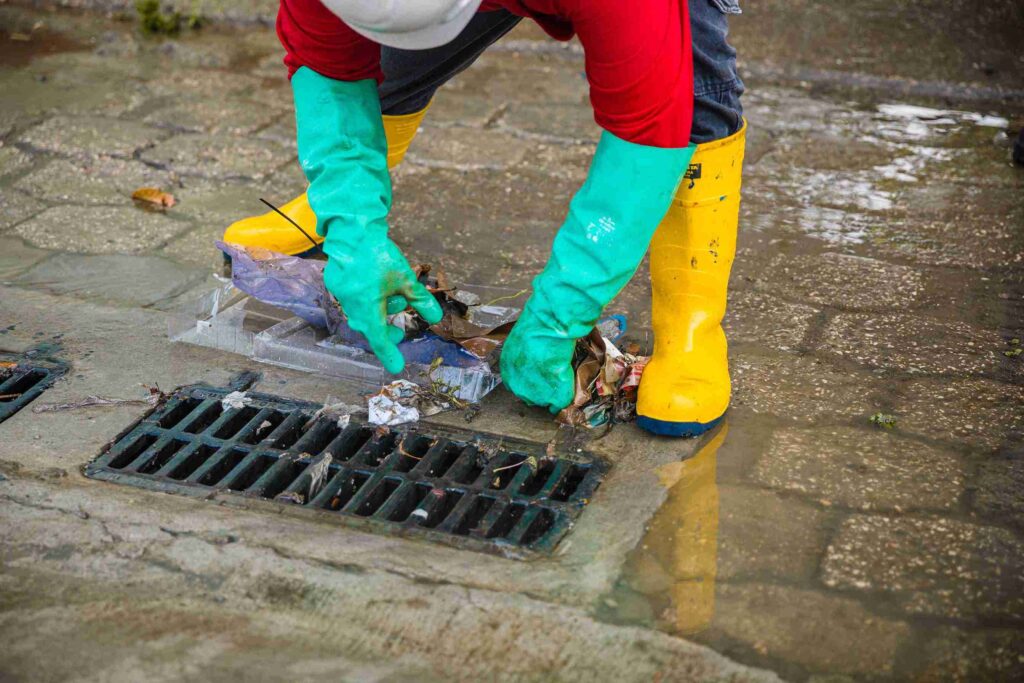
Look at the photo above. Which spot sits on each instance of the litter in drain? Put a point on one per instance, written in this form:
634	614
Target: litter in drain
23	377
451	485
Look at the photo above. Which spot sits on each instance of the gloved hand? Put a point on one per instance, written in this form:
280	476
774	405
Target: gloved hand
611	222
343	152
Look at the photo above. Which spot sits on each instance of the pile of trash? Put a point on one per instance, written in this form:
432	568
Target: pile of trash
606	383
470	334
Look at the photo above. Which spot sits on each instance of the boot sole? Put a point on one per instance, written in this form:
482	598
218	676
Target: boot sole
305	254
676	429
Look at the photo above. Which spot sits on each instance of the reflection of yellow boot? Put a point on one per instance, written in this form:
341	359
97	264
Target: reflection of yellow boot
678	557
274	232
685	387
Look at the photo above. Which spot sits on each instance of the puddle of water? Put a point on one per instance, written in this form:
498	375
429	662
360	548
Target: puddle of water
18	48
701	572
669	579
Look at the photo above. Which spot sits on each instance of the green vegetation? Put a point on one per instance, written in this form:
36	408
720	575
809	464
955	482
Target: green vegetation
883	420
155	22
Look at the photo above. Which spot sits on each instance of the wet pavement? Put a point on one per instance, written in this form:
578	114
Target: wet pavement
880	271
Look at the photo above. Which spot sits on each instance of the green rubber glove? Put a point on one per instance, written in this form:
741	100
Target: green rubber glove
610	224
343	153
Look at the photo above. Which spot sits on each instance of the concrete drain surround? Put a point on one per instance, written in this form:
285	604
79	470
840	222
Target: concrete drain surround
22	383
450	485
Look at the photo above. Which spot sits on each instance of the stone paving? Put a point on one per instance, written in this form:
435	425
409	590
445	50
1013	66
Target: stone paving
880	270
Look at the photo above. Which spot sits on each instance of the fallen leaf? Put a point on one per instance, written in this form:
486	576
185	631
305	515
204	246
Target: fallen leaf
154	195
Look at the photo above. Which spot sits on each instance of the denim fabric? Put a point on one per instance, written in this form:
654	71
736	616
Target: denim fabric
411	77
717	112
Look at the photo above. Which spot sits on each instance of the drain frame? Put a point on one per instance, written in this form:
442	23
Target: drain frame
249	457
30	377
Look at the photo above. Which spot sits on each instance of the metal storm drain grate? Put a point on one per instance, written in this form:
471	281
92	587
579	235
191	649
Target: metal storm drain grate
22	378
450	485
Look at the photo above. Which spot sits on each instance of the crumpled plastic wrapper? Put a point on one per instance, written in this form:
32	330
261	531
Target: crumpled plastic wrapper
469	333
606	383
293	283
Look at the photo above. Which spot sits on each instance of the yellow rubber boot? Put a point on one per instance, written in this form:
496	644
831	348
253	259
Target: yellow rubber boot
685	387
276	233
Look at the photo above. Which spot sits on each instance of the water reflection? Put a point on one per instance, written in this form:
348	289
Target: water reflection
669	577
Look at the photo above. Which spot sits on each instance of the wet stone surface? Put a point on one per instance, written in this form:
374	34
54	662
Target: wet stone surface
930	566
772	622
863	469
969	413
218	156
846	281
879	271
101	181
803	389
90	136
916	345
100	229
135	281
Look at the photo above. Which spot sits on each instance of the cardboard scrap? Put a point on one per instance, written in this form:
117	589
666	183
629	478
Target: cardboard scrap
606	383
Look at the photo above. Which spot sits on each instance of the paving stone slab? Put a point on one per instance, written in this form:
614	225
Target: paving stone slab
218	156
95	181
763	319
569	122
844	281
762	535
234	117
952	654
131	280
205	83
998	487
829	151
771	210
969	413
221	202
91	136
774	621
16	257
466	149
281	131
167	590
47	87
914	344
454	106
861	469
100	229
12	160
801	388
930	566
16	207
955	224
538	78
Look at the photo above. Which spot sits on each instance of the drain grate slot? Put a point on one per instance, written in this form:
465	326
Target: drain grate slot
233	421
23	377
154	464
452	485
192	460
255	467
377	496
218	467
132	450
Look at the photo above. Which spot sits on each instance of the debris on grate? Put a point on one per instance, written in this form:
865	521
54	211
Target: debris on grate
451	485
23	377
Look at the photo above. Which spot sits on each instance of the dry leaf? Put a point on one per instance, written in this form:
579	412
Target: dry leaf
154	195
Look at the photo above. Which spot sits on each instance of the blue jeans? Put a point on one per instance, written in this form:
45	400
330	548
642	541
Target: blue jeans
411	77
